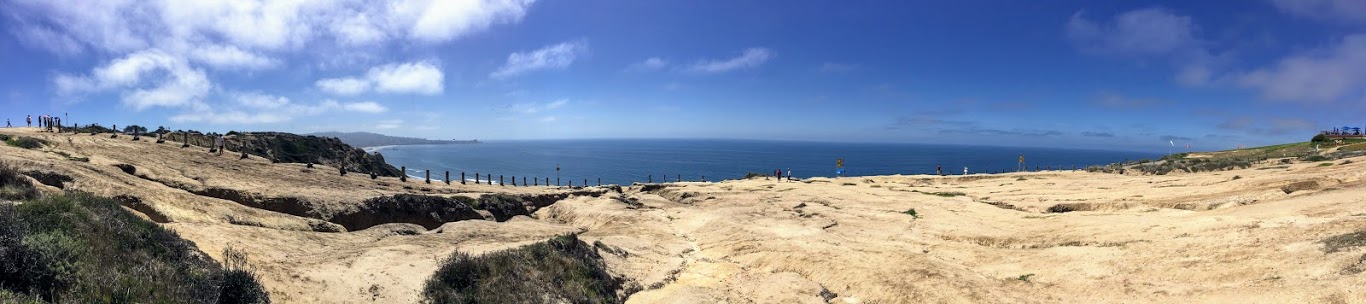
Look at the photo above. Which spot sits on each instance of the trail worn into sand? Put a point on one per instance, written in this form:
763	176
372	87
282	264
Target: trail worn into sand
1231	236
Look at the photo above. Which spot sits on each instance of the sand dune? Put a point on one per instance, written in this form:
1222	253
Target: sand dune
1231	236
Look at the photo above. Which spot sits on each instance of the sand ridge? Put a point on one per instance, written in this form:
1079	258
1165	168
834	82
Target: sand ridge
1230	236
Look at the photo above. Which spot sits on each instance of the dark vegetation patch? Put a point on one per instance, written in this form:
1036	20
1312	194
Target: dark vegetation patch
1299	186
1003	205
79	248
912	213
651	187
1344	242
942	194
291	148
14	186
1070	207
561	270
25	142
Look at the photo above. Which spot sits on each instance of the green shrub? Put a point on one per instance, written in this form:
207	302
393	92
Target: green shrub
561	270
912	213
1314	158
26	142
79	248
1319	138
13	185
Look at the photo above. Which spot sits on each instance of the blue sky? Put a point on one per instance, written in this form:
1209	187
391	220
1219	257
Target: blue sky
1086	74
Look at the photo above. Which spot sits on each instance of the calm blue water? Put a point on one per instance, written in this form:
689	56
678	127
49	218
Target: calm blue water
623	161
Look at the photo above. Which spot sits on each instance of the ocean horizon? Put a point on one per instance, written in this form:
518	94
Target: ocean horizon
626	161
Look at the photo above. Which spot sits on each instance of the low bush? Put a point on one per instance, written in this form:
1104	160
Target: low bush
561	270
79	248
26	142
1344	242
912	213
13	185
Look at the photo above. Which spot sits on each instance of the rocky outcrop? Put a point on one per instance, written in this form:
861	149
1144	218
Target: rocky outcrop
428	211
292	148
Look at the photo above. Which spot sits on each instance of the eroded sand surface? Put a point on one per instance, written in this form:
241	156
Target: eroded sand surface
1204	237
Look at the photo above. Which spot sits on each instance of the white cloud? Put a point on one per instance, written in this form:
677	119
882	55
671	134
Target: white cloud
148	79
552	57
556	104
231	57
261	101
343	86
1342	11
649	64
415	77
750	58
258	108
1325	75
1151	31
365	107
389	124
162	47
127	26
547	119
436	20
357	30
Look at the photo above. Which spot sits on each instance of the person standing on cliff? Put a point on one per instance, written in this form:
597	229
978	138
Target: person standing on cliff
219	144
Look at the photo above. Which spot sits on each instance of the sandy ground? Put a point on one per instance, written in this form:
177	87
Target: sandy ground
1224	237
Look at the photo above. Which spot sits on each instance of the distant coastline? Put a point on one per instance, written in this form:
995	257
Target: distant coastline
373	142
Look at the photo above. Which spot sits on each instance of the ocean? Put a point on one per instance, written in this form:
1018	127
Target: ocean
623	161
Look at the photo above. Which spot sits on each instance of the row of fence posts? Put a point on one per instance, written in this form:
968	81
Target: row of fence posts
503	181
488	179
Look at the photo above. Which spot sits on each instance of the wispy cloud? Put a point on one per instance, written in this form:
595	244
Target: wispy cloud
1334	73
1338	11
1097	134
750	58
649	64
1174	138
1115	101
1272	126
260	108
1148	33
554	57
422	77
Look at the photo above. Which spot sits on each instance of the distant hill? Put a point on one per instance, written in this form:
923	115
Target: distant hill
366	139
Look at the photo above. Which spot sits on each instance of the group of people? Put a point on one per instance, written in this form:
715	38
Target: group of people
46	122
779	173
939	170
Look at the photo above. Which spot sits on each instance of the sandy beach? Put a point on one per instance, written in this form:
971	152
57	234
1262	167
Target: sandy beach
1228	236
